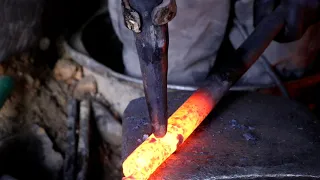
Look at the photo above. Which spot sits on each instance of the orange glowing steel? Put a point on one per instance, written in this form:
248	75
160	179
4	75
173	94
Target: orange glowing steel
144	160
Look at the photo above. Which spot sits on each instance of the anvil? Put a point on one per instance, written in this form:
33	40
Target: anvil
247	136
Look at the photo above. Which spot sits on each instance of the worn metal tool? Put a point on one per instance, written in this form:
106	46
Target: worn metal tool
149	22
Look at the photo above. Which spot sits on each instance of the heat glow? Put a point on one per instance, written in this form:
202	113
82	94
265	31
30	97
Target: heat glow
147	157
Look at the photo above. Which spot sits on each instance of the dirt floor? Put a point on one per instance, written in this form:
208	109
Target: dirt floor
40	97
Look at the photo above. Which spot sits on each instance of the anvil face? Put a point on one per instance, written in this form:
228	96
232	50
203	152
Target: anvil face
248	136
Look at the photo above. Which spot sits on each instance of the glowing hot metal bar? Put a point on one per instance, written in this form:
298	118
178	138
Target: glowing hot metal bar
154	151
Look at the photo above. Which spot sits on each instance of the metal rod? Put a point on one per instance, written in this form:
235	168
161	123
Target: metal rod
246	55
267	66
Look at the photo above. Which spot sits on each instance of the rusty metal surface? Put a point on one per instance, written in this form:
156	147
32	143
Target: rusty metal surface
249	136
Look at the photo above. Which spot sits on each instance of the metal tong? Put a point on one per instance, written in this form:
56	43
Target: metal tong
149	22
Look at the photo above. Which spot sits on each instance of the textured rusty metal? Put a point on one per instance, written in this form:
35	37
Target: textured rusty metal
164	13
131	17
246	136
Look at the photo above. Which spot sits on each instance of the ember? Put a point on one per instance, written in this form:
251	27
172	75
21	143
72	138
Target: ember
154	151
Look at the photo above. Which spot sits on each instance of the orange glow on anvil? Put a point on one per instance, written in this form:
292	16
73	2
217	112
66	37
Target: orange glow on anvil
144	160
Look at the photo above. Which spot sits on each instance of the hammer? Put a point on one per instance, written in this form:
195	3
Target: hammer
149	22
